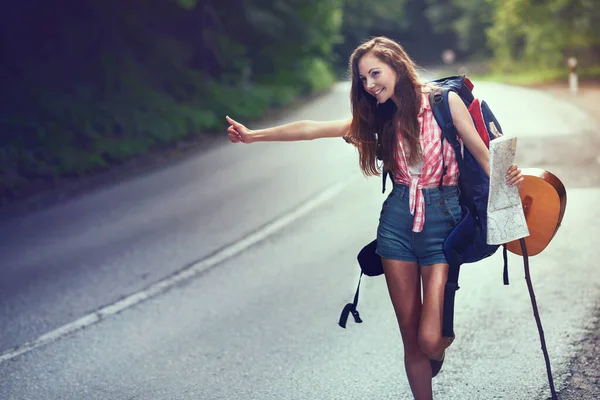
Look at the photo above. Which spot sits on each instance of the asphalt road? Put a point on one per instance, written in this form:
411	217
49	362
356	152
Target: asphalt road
222	277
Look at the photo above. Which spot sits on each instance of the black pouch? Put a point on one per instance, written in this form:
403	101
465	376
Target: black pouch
370	265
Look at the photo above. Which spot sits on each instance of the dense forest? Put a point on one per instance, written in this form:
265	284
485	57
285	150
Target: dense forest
88	84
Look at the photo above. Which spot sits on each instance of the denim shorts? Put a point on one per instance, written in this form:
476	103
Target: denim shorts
395	238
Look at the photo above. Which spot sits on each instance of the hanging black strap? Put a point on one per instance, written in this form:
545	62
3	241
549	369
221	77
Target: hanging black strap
384	176
538	321
449	294
385	173
350	308
505	256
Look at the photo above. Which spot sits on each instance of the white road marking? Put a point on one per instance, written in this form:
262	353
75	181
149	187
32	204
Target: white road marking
181	276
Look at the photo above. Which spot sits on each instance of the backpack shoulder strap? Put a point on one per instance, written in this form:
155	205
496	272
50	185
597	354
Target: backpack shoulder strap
440	106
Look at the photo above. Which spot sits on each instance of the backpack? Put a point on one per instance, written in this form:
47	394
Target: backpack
467	242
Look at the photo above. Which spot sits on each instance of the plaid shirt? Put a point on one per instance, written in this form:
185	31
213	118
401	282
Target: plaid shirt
432	164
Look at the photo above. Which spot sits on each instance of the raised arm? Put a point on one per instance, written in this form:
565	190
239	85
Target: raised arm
300	130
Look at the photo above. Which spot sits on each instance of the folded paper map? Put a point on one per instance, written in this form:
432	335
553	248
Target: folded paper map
506	220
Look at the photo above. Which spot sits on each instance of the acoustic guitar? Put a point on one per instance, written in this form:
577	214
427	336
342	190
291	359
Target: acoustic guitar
544	200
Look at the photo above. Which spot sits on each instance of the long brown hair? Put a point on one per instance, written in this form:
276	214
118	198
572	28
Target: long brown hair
384	119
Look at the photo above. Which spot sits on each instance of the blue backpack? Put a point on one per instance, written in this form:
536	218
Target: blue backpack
467	242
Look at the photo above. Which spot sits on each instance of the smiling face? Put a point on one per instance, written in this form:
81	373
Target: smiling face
380	70
377	77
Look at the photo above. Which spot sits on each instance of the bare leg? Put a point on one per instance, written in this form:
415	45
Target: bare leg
404	284
430	328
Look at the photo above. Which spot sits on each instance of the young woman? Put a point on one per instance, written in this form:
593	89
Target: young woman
387	97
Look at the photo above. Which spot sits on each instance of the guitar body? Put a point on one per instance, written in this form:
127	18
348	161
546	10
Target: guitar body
544	199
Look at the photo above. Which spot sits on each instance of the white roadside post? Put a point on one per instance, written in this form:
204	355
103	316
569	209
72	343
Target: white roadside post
572	62
448	56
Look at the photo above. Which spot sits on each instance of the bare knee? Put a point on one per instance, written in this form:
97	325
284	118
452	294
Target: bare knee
431	343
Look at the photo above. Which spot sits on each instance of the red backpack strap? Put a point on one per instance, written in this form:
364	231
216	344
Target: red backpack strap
476	114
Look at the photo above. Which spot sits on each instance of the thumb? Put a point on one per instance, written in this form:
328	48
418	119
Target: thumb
232	122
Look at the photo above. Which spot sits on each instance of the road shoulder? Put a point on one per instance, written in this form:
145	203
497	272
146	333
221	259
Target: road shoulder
583	379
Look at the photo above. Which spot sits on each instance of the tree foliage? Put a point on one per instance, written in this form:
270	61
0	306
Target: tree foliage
401	20
467	20
86	84
542	33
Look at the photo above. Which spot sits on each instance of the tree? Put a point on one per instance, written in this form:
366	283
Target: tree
542	33
401	20
467	20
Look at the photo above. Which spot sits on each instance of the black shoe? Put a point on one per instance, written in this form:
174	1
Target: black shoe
436	365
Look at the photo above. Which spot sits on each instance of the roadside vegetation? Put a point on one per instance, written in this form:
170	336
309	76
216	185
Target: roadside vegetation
87	85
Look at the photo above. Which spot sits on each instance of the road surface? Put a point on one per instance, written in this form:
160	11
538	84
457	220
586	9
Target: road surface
222	277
